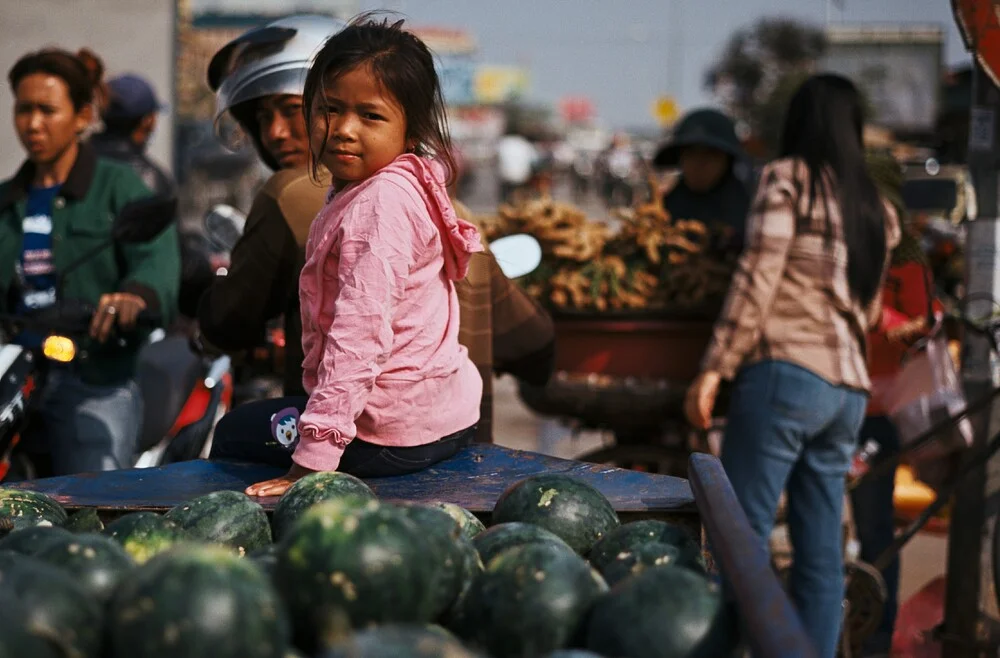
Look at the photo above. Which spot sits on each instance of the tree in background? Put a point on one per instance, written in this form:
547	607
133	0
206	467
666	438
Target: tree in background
760	68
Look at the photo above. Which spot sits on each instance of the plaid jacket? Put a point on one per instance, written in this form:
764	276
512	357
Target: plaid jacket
789	299
504	330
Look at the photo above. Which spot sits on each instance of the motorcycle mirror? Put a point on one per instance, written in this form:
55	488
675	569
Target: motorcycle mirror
137	222
517	255
141	221
224	225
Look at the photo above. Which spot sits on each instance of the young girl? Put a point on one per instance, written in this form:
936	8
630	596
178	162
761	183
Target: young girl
391	391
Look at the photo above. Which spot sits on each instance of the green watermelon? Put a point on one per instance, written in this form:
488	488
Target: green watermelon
470	569
445	557
144	534
266	559
28	508
312	489
84	520
531	600
98	563
566	506
634	562
346	565
469	522
471	565
31	540
663	612
400	641
18	639
630	536
224	517
55	608
264	554
197	600
500	537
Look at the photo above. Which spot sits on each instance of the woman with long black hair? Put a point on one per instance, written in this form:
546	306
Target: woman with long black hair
792	339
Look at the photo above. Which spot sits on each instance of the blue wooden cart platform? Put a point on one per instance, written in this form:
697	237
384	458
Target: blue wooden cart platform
474	479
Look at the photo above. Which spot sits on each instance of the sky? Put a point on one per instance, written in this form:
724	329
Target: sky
623	54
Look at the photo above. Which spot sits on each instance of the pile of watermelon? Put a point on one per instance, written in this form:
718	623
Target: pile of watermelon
337	573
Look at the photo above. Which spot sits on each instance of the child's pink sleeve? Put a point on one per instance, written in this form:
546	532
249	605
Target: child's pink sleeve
376	252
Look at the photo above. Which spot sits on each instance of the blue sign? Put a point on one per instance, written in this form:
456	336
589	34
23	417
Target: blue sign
457	74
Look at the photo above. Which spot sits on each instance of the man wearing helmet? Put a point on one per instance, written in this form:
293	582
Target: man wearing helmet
259	79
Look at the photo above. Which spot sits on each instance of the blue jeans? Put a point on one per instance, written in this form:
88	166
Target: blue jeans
788	428
872	505
85	428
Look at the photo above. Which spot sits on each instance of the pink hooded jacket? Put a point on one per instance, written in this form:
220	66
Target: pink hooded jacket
380	316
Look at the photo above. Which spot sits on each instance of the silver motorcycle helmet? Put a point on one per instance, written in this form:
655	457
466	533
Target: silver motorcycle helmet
273	59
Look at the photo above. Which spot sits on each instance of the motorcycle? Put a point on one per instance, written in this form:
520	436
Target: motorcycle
260	370
184	393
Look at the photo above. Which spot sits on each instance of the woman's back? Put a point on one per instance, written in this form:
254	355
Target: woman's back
791	300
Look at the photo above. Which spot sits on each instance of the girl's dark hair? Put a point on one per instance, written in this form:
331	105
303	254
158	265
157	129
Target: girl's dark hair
403	65
824	128
81	72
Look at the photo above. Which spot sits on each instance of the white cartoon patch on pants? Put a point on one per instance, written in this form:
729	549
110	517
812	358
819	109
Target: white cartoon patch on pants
285	427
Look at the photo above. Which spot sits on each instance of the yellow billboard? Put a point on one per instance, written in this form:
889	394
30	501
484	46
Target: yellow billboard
497	84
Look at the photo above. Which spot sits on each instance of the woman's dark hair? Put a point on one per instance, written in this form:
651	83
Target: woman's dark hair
403	65
824	128
81	72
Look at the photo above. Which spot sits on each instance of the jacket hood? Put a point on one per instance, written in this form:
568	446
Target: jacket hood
459	238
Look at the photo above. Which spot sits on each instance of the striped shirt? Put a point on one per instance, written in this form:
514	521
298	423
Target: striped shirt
790	299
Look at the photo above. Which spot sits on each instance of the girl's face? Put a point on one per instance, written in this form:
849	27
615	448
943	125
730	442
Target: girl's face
358	126
46	121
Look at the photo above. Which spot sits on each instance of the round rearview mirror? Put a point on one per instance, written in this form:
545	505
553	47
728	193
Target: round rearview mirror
224	226
144	219
517	255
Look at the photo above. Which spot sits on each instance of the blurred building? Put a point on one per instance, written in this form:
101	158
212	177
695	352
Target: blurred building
898	67
340	8
953	120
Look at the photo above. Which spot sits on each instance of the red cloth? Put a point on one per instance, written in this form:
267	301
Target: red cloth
904	297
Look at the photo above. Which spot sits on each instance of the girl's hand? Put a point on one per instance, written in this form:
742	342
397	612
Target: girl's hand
278	486
700	400
123	307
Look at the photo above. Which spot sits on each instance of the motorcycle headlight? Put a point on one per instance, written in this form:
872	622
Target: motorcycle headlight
59	348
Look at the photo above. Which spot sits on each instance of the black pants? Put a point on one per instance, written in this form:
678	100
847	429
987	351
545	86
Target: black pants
246	434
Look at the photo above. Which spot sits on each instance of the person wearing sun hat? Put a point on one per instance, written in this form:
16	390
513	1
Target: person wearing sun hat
705	148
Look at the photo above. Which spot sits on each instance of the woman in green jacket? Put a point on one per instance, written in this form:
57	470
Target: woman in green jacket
58	205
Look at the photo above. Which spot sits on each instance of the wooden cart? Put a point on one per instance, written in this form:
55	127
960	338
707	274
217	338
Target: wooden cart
628	376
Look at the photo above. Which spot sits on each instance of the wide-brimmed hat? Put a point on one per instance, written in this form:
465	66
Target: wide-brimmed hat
705	127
